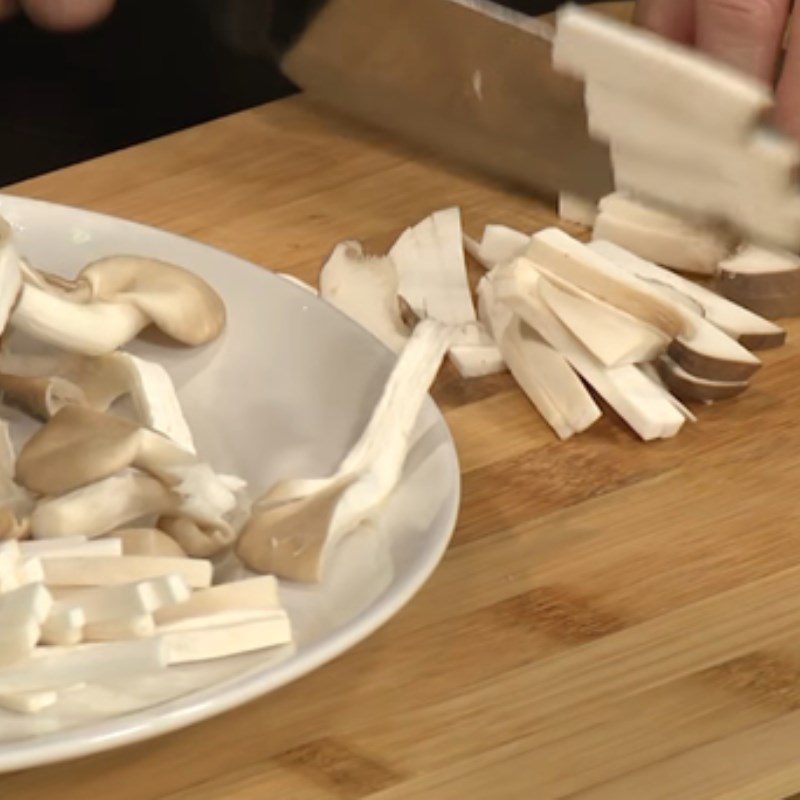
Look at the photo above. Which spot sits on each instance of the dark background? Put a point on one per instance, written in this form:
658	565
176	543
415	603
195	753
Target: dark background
154	67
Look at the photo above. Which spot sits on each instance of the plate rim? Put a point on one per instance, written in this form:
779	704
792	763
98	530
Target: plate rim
197	706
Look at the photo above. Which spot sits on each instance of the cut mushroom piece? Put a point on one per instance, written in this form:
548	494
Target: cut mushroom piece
639	401
72	546
113	300
146	542
767	281
500	244
295	522
711	354
259	594
558	255
612	336
477	361
577	210
651	372
659	236
80	446
55	667
431	269
101	507
748	328
365	288
688	387
194	538
16	504
67	571
10	274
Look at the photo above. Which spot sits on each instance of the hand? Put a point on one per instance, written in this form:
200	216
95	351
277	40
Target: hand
59	15
747	34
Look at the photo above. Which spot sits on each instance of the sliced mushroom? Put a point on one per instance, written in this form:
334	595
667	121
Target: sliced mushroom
10	274
295	522
194	538
431	269
659	236
113	300
748	328
16	504
612	336
366	289
103	506
686	386
766	281
639	401
500	244
563	259
43	385
147	542
577	210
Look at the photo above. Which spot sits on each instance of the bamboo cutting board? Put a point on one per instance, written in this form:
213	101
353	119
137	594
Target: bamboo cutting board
614	620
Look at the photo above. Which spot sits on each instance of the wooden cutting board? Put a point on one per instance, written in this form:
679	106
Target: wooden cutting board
614	620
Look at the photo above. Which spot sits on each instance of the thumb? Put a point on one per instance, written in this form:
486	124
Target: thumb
747	34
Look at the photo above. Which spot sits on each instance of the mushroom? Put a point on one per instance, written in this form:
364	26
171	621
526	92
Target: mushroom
194	538
766	281
80	446
16	504
747	328
661	237
576	210
296	521
365	289
541	372
113	300
639	401
499	245
687	386
566	262
42	385
145	542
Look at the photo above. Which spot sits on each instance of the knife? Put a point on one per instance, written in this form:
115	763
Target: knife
468	79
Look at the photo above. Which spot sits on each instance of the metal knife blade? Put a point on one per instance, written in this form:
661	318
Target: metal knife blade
468	79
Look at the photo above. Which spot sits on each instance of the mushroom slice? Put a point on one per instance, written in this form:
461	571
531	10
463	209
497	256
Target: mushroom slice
432	271
558	255
194	538
16	504
145	542
748	328
67	571
71	546
541	372
686	386
101	507
612	336
365	288
577	210
294	523
114	299
55	667
767	281
258	594
659	236
500	244
79	446
640	402
39	397
477	361
710	353
10	274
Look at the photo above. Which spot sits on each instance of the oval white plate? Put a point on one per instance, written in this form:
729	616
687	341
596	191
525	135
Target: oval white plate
282	394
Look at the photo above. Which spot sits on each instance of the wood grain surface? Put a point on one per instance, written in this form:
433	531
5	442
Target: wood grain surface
613	620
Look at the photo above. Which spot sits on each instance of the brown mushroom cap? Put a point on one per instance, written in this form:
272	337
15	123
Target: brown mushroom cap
78	446
180	303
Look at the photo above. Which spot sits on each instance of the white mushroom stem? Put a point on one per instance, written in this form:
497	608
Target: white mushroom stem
294	523
93	329
103	506
366	289
499	245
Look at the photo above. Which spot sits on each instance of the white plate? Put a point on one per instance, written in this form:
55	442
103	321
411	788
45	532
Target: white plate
282	394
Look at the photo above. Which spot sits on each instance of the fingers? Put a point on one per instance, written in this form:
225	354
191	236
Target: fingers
671	18
746	34
787	112
67	15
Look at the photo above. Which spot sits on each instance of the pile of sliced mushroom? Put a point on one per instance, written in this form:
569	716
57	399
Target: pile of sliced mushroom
108	518
572	321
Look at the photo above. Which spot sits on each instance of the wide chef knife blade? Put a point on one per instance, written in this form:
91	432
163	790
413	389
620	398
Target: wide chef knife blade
468	79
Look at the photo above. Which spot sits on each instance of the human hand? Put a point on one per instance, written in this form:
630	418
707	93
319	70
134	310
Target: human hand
59	15
747	34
